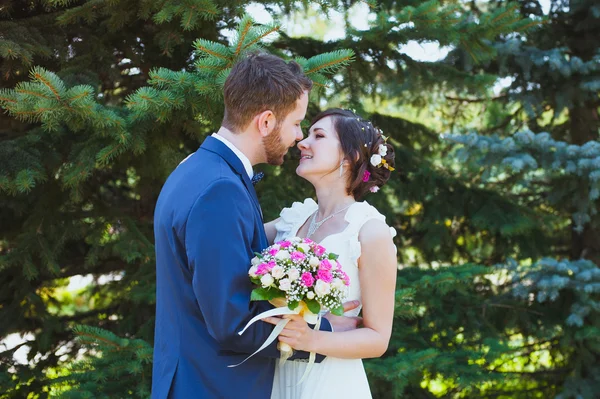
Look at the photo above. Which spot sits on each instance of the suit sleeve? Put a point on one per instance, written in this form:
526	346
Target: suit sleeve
219	233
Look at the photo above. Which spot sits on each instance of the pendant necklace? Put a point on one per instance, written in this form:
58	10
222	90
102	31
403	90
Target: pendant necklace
314	225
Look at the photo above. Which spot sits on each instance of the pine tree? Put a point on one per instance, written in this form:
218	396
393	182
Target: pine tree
85	151
100	113
542	153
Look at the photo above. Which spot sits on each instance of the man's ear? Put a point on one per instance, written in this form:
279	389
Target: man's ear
266	122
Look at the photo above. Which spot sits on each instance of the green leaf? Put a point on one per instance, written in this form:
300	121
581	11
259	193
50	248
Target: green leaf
332	256
339	311
265	294
293	305
313	306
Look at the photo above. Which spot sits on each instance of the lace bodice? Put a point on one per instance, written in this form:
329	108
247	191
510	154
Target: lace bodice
345	243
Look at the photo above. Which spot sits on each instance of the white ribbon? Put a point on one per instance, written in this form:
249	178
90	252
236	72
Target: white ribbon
308	316
278	328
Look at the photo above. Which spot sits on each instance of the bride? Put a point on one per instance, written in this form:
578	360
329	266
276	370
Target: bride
344	157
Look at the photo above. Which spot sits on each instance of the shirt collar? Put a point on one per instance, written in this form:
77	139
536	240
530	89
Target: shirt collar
238	153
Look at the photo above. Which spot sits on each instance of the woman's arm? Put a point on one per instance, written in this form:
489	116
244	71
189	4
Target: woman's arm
271	230
377	273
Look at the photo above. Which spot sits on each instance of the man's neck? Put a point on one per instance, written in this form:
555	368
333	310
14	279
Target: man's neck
243	141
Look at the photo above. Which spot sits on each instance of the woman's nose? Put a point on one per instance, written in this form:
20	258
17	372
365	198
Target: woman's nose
302	145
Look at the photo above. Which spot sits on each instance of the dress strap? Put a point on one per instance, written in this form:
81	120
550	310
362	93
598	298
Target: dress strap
359	214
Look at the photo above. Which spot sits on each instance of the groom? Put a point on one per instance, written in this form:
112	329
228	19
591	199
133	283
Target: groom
207	226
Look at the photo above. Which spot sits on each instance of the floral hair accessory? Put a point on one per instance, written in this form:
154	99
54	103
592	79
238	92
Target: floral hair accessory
366	176
374	189
377	159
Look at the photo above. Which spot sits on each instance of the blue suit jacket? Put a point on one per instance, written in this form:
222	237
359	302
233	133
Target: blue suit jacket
207	226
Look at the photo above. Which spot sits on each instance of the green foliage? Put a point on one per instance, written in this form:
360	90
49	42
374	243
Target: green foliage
103	99
102	375
264	294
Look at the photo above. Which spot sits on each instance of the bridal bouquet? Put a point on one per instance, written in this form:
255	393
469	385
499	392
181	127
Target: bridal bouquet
297	276
301	272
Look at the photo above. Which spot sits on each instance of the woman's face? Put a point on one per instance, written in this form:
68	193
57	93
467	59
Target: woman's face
320	151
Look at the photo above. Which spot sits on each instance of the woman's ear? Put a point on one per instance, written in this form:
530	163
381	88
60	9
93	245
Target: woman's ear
266	122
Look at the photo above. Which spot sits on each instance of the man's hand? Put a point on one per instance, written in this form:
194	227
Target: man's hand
345	323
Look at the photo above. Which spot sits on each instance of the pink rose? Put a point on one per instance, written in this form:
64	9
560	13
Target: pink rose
285	244
307	279
345	277
325	275
273	251
297	256
263	268
319	250
325	265
366	176
271	264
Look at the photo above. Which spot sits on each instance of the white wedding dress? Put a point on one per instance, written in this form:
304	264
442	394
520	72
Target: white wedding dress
333	378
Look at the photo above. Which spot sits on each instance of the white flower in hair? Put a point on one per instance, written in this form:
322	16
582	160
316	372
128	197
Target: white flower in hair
382	150
375	159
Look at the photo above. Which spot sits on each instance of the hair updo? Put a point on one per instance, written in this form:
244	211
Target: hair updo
360	140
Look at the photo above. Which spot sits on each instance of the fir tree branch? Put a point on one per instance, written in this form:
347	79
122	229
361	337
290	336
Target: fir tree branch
242	37
475	100
328	65
262	36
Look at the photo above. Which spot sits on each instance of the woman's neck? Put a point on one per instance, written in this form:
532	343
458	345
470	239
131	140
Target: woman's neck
332	199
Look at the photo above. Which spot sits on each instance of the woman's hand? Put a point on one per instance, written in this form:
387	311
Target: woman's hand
297	333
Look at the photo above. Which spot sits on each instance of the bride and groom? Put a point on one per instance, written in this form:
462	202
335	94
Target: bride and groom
208	225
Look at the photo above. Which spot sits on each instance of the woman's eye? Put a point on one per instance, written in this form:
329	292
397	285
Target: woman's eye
319	136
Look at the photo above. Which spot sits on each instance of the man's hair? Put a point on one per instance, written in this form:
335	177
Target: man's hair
261	82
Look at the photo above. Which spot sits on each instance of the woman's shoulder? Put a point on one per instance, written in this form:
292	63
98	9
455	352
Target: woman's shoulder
365	218
298	212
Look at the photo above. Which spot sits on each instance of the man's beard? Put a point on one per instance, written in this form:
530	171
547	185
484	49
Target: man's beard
274	148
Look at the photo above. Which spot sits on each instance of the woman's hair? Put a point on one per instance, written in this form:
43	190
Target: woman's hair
360	140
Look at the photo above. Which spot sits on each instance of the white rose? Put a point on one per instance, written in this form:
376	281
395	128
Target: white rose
304	247
294	274
285	284
322	288
256	261
375	159
266	280
338	284
310	295
277	272
282	255
382	150
314	261
295	239
252	271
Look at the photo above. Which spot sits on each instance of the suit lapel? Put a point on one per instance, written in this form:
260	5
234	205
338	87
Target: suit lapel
213	145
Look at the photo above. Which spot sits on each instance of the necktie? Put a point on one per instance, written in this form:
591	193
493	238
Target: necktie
257	177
